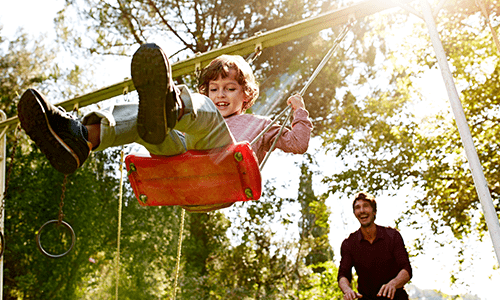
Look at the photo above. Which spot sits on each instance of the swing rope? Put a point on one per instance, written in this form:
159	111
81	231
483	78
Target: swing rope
120	201
318	69
179	246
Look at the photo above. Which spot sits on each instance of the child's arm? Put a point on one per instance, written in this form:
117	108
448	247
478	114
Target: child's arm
295	140
296	101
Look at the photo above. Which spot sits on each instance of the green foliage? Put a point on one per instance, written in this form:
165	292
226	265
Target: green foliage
22	63
189	26
33	198
385	146
26	62
321	285
362	105
261	265
148	238
314	224
254	266
447	180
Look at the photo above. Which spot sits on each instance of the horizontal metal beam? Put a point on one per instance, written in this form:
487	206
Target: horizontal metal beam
263	40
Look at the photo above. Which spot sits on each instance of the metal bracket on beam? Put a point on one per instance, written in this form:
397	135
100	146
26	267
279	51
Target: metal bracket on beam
197	69
258	48
351	18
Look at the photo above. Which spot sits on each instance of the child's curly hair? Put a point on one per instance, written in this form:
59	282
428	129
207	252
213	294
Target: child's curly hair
220	66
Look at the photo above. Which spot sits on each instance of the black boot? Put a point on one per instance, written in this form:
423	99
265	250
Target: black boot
61	137
159	101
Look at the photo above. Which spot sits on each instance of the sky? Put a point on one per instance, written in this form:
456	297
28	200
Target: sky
431	271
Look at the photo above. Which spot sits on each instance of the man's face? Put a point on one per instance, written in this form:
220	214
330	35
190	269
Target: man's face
364	213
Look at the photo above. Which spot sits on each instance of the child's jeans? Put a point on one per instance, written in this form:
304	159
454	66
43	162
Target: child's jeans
202	124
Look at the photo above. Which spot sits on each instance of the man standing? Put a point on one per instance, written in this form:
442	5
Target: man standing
377	253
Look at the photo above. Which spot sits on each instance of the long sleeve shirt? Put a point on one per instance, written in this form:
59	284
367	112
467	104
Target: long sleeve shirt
246	127
376	263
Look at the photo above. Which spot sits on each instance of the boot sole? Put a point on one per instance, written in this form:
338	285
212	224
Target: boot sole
150	73
35	123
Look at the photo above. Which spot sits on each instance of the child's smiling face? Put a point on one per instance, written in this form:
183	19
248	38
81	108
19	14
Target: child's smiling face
227	94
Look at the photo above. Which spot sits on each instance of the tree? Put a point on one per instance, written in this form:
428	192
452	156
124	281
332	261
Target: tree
314	225
387	146
194	26
449	188
362	108
33	197
23	64
188	26
428	153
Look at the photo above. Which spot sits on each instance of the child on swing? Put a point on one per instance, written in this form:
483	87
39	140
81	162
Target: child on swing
168	120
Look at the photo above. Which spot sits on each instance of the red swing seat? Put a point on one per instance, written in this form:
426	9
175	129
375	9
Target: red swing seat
196	177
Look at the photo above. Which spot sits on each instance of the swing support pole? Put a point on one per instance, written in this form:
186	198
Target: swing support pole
3	159
465	134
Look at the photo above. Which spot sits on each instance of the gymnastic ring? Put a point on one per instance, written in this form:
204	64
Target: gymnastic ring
39	244
2	240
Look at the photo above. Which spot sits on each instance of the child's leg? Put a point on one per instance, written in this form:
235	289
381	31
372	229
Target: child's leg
164	107
64	140
94	134
59	136
202	123
118	126
159	105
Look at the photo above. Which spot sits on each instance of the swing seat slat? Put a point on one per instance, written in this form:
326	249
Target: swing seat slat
196	177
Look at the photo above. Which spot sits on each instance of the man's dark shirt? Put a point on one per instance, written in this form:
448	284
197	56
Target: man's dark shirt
376	264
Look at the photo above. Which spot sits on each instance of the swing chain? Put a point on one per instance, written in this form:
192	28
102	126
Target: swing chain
318	69
58	223
61	204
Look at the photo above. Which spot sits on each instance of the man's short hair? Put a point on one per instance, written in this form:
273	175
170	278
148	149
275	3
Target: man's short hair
366	197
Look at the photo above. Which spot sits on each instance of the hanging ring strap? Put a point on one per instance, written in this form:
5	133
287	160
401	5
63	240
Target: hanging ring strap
318	69
61	204
58	222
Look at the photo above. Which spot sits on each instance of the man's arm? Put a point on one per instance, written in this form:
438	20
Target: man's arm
389	289
345	286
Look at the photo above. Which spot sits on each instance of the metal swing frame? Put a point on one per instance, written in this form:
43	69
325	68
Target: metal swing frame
201	181
291	32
